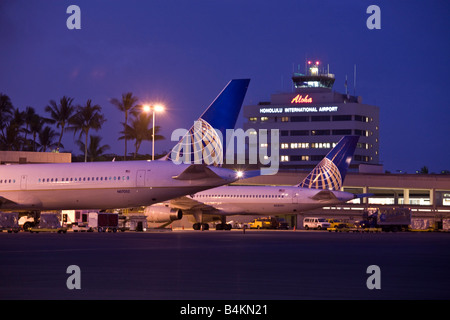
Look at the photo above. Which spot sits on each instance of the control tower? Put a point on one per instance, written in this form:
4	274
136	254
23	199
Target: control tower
313	78
313	117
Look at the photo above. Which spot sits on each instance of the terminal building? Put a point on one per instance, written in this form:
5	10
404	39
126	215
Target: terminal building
23	157
427	195
313	118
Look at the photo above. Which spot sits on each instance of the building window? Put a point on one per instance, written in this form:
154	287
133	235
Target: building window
342	132
320	132
284	158
321	145
363	133
263	119
284	119
320	118
253	119
304	145
285	146
342	118
300	119
317	158
299	133
361	118
299	158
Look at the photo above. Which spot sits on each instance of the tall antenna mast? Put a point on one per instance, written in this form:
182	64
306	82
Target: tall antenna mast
354	82
346	91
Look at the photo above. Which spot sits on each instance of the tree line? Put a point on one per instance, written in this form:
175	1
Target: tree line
28	131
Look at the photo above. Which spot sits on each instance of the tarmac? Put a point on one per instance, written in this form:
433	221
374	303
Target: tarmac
225	265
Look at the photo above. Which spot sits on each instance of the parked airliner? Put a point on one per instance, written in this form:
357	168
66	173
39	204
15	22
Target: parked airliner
120	184
320	188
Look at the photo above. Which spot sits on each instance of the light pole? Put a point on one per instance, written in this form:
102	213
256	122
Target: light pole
154	109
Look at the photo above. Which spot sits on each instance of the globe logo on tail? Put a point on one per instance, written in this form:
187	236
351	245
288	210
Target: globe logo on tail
325	175
200	145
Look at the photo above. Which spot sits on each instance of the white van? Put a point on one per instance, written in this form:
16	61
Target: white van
315	223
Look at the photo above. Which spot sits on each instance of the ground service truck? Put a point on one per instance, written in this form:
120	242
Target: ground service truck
104	221
388	219
9	221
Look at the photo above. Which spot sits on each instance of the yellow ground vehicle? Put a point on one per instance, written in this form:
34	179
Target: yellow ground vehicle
336	223
262	223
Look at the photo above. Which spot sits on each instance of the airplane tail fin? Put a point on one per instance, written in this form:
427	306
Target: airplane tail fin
203	143
330	172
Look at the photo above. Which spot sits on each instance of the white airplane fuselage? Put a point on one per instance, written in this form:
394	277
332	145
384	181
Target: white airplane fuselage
99	185
266	200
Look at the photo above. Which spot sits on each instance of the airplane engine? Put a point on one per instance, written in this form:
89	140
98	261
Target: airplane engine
162	214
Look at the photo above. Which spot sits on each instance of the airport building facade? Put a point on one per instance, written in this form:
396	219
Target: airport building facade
23	157
312	119
427	195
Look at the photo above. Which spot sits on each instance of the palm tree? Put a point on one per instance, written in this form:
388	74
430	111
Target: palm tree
36	124
11	138
424	170
126	105
60	114
86	118
139	130
6	110
28	114
94	150
46	139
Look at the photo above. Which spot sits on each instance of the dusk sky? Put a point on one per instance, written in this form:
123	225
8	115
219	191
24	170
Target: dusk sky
182	53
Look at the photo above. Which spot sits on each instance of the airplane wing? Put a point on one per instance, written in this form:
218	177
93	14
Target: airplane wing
364	195
187	203
324	195
4	201
197	171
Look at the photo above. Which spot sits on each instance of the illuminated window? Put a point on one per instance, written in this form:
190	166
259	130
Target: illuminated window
284	119
299	158
304	145
284	158
321	145
284	145
253	119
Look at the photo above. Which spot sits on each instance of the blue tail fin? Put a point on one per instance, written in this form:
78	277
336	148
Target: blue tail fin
203	143
330	172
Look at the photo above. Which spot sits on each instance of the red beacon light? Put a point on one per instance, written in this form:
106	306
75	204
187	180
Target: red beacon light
317	62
